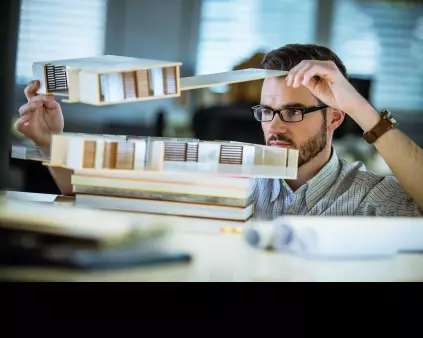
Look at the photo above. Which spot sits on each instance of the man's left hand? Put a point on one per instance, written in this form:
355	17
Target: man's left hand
332	87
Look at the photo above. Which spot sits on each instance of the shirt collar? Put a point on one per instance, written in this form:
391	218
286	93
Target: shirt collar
318	185
323	180
276	190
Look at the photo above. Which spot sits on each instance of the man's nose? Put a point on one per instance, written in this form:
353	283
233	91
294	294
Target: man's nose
277	126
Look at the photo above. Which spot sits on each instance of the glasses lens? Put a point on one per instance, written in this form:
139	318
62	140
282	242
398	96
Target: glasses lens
263	114
292	115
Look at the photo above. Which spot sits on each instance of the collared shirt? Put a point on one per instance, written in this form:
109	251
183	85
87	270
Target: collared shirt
340	188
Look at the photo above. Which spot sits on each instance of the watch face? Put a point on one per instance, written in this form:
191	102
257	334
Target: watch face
387	115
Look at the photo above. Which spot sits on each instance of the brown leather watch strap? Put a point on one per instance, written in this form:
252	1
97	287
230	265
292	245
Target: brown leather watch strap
378	130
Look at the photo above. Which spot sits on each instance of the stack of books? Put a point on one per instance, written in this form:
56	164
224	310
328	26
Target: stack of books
195	195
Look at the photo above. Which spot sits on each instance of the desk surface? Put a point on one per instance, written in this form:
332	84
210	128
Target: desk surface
226	257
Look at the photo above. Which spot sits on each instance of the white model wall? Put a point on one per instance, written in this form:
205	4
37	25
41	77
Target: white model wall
140	154
39	74
248	154
59	149
208	152
75	152
89	87
155	155
274	156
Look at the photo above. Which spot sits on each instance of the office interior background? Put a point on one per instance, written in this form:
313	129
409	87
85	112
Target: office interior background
380	42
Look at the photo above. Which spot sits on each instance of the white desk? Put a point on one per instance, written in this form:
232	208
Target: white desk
226	257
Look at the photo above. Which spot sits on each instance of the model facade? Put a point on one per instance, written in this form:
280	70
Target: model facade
110	79
120	152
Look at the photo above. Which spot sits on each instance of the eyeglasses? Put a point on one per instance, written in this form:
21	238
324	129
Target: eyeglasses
287	114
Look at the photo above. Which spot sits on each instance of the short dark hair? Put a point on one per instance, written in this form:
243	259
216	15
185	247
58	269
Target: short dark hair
288	56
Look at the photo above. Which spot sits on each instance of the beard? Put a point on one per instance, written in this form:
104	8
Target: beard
309	150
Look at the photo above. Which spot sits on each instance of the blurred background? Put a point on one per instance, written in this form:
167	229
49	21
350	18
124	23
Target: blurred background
380	42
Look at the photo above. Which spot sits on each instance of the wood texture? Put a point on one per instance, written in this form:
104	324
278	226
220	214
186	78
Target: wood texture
129	85
125	155
175	151
89	154
192	152
109	155
181	151
142	78
231	154
169	74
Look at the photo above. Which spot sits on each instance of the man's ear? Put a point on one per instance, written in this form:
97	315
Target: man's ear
335	118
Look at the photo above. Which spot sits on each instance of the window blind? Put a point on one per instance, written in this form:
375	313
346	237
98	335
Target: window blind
59	29
233	30
383	40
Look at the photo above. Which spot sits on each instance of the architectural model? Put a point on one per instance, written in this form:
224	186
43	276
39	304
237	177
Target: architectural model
110	79
102	153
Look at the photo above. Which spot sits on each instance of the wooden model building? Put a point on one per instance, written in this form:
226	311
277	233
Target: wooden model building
110	79
171	176
119	152
183	177
154	175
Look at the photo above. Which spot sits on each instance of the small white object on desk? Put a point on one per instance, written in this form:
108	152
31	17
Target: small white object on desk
339	237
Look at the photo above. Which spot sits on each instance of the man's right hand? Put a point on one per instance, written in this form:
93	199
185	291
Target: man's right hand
40	117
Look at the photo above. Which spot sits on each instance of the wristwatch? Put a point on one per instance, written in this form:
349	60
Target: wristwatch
387	122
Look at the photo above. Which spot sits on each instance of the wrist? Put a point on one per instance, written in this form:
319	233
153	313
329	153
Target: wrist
365	115
43	142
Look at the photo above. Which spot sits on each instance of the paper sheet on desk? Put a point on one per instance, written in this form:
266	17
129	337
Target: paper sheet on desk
109	228
318	237
40	198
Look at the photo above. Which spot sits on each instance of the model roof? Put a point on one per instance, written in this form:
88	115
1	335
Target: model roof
111	63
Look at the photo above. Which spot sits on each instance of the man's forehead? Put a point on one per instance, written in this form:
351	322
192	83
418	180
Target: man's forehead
281	100
284	99
277	92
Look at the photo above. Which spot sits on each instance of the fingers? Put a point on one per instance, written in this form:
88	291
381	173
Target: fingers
31	90
312	75
310	82
50	103
297	76
307	72
290	79
46	100
20	124
36	102
30	107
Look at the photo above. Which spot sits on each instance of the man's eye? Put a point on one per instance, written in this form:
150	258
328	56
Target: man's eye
266	112
293	112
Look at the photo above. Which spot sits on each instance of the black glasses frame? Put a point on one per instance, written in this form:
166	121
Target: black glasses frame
304	111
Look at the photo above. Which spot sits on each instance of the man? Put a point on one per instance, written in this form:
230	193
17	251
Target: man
301	111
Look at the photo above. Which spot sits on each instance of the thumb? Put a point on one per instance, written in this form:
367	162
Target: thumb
20	124
31	89
50	103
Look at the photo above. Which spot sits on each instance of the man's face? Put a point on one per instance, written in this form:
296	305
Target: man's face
308	136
